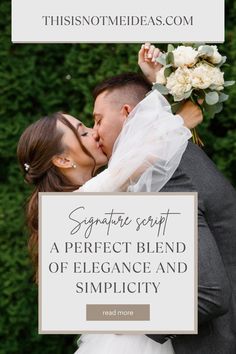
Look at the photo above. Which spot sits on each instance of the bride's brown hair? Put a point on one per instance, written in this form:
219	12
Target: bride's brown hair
38	144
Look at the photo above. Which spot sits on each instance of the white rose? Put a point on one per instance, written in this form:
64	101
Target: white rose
215	58
217	78
204	75
201	77
160	77
184	56
179	83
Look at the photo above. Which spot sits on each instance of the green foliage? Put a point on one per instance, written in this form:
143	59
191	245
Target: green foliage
43	78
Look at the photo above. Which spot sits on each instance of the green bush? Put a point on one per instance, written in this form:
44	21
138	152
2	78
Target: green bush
39	79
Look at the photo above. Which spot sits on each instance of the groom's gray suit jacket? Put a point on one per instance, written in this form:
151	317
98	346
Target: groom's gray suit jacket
217	255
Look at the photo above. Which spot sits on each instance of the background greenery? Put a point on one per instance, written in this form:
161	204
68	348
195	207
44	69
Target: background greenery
40	79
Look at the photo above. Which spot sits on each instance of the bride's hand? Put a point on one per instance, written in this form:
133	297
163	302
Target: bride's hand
147	61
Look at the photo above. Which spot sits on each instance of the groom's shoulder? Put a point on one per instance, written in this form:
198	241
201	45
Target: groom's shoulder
195	157
197	171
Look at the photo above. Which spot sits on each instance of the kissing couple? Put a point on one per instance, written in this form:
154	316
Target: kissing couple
146	149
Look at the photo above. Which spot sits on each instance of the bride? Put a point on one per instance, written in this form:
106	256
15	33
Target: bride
58	153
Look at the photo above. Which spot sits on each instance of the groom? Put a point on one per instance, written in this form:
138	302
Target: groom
114	99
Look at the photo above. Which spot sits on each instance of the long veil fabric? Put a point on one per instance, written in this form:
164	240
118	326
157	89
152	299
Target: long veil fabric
152	141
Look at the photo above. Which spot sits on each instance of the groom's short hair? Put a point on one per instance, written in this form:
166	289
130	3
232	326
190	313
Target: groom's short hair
136	85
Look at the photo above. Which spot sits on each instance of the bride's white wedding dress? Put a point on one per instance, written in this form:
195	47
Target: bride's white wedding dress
121	344
152	141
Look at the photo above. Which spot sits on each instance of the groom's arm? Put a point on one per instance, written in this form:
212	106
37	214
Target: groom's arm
214	290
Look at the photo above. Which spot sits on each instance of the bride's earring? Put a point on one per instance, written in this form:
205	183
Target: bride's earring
73	165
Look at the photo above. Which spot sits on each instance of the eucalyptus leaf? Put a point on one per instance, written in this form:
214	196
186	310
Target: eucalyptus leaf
170	48
229	83
213	109
223	97
161	59
161	88
212	98
167	71
219	107
170	58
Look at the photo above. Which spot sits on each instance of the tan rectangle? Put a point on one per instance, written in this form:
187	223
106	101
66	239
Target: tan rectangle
114	312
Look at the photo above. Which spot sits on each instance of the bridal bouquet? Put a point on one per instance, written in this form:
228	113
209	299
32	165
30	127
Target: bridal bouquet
193	72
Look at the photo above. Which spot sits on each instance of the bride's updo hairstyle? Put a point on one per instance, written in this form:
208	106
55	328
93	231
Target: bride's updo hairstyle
37	146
